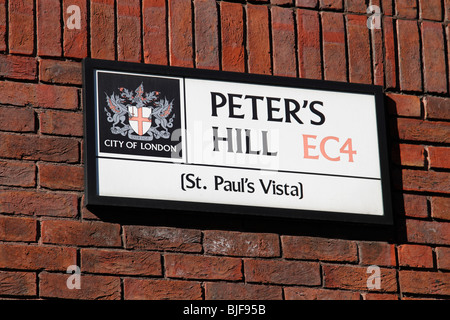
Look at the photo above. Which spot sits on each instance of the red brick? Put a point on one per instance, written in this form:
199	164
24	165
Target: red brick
439	157
120	262
377	253
418	130
334	58
232	36
102	29
280	2
180	33
433	283
31	147
48	28
283	42
380	296
75	41
21	27
91	233
415	206
437	107
17	229
129	30
440	208
3	24
232	243
38	95
309	56
447	9
17	119
313	248
61	123
306	3
147	289
430	9
429	232
162	238
426	181
206	34
56	71
409	55
378	48
355	278
355	6
39	203
13	173
410	155
32	257
17	67
433	48
258	40
403	105
154	31
202	267
92	287
416	256
331	4
390	53
406	9
61	177
17	283
359	49
241	291
282	272
443	258
305	293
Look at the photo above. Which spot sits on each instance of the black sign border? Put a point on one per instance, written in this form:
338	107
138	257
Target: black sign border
92	199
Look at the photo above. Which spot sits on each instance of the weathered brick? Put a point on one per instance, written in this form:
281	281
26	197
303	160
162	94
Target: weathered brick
3	24
206	34
180	33
434	283
415	205
162	238
306	3
378	54
148	289
32	147
430	9
406	9
75	42
32	257
355	278
17	119
282	272
61	177
403	105
39	203
21	27
18	67
102	29
154	31
92	287
409	55
17	229
48	28
13	173
90	233
313	248
61	122
232	36
283	42
418	130
333	37
440	208
202	267
17	283
241	291
359	58
56	71
409	155
280	2
379	296
390	71
426	181
306	293
258	40
433	49
232	243
308	43
416	256
437	107
443	258
428	232
129	30
439	157
331	4
121	262
377	253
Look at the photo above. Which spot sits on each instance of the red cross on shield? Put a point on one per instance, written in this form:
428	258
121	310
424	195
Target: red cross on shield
140	119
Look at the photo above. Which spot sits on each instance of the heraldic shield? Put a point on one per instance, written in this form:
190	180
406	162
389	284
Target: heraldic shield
140	119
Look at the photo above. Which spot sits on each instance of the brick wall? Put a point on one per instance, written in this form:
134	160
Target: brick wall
45	228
